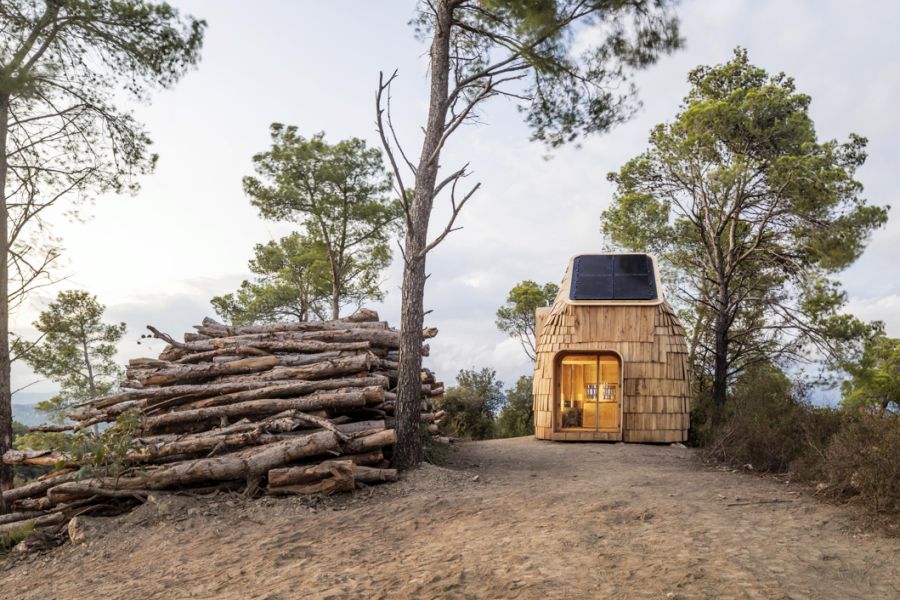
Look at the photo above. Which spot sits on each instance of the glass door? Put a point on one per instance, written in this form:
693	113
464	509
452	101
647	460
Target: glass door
589	393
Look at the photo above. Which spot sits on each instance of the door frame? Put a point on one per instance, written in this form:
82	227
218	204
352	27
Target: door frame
557	390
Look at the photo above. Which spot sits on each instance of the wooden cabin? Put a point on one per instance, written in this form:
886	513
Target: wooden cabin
612	361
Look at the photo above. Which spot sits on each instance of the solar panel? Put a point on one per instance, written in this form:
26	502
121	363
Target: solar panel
613	277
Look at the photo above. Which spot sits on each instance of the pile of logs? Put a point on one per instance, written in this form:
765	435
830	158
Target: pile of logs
286	408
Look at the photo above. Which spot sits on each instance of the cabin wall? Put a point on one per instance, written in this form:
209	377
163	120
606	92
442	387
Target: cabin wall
650	341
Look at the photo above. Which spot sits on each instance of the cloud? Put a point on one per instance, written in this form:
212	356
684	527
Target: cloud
158	257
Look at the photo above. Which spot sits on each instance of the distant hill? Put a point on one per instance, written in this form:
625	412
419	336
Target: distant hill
23	407
27	415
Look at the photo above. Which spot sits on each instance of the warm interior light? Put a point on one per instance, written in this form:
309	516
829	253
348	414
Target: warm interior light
587	381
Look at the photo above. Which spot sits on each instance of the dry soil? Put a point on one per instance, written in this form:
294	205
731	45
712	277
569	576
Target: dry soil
512	518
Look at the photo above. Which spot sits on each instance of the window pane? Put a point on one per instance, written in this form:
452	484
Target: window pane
589	393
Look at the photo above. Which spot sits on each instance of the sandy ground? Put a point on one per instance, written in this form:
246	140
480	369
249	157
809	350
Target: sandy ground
542	520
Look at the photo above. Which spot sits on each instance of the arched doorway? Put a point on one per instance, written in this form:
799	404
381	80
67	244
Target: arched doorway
588	391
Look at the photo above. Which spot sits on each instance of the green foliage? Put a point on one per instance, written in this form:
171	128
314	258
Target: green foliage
76	350
10	539
23	439
763	424
571	91
106	454
754	215
517	316
19	429
472	405
874	383
64	67
770	427
339	193
292	283
517	418
434	452
863	461
40	440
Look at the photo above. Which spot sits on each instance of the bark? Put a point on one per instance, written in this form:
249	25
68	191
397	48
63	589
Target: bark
43	458
408	451
72	491
340	366
720	369
180	374
329	477
12	517
226	392
281	389
306	474
196	445
371	442
339	399
35	488
279	478
237	350
245	464
45	521
309	341
363	318
6	473
370	476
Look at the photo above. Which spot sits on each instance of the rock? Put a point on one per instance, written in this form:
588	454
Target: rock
167	504
84	529
476	478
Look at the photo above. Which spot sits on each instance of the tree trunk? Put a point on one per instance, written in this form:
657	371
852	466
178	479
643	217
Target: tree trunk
720	371
408	451
6	472
336	303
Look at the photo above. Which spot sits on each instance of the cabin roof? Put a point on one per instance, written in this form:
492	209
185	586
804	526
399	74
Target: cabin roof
609	279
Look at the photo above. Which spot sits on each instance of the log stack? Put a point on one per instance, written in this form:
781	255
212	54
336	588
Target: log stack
284	408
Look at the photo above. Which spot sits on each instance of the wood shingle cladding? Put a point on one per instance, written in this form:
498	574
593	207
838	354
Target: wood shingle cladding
653	395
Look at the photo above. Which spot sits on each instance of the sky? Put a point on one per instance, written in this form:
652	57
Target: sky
157	257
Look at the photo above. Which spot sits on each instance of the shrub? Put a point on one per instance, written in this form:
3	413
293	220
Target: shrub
517	419
763	423
863	461
472	405
433	451
10	539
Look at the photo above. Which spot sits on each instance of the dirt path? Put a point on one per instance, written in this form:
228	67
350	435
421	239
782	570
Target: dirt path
543	520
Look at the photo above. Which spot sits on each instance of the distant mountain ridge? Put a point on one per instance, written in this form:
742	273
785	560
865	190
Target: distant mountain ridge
27	415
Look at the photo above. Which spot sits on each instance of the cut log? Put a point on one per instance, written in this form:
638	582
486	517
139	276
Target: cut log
180	374
371	442
236	350
329	368
328	477
245	464
71	491
372	476
43	458
364	318
21	516
312	473
36	488
277	389
307	474
45	428
342	398
37	523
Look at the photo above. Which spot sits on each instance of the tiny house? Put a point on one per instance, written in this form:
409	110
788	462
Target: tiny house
612	361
